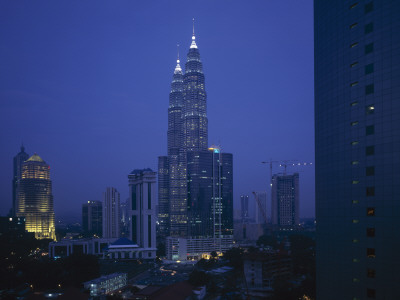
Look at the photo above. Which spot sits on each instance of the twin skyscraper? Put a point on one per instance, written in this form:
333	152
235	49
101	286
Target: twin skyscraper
195	180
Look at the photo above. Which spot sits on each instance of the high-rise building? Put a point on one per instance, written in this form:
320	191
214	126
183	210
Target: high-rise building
142	189
260	212
111	214
92	217
19	159
195	183
357	148
210	195
285	200
35	199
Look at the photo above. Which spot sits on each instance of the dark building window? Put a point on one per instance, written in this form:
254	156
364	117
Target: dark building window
371	252
369	48
133	197
149	195
370	109
369	7
370	191
369	89
134	228
369	130
369	69
149	231
370	232
371	293
371	273
370	211
370	171
369	28
369	150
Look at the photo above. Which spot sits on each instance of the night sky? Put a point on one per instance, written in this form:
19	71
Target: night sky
85	85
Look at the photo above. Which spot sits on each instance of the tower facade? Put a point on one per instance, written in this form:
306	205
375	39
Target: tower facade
111	213
142	189
19	159
195	182
92	217
357	149
35	199
285	200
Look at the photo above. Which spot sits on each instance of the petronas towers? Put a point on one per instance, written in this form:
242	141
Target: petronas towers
190	176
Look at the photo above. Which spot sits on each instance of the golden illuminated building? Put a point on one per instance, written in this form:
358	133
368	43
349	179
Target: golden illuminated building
35	201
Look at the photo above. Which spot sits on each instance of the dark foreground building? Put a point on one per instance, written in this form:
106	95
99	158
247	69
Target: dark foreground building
357	148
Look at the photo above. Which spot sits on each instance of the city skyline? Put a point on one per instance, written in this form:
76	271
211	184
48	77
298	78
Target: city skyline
94	122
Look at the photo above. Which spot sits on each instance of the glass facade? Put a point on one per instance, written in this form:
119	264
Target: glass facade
369	211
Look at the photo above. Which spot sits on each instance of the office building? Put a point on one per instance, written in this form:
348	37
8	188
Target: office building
357	148
195	183
285	200
142	189
35	199
19	159
92	218
111	214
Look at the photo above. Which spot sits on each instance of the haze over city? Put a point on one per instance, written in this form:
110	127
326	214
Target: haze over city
86	87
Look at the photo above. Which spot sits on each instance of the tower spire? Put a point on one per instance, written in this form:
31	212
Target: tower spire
193	45
178	68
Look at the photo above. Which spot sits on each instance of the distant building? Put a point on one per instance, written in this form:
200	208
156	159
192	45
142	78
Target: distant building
67	247
285	200
142	191
244	206
106	284
35	199
92	218
193	248
111	214
19	159
195	182
261	212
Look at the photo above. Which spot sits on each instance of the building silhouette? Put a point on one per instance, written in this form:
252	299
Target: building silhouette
19	159
195	181
357	148
92	218
285	200
111	214
260	215
35	199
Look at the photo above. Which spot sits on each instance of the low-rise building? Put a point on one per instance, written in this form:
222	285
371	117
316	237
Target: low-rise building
262	268
106	284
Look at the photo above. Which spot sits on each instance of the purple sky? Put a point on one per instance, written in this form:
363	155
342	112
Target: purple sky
85	85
